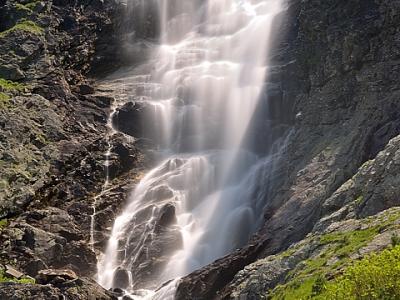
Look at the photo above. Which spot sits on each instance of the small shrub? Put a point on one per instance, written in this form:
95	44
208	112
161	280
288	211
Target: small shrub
319	286
4	100
395	239
9	86
374	277
3	223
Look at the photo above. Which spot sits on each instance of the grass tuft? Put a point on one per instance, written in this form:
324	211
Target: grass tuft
27	26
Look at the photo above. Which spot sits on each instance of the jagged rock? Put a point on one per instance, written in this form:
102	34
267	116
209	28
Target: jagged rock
13	272
85	89
124	155
76	290
48	275
130	117
53	139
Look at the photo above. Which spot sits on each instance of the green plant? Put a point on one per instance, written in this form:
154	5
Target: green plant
3	223
27	26
307	279
8	85
22	7
32	5
4	100
23	280
319	286
359	200
374	277
395	239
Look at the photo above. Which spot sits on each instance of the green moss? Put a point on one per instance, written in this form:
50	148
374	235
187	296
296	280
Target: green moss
4	100
27	26
359	200
349	242
395	240
23	280
9	86
3	223
29	7
296	290
22	7
32	5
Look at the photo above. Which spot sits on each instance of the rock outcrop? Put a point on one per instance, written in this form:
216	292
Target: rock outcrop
54	136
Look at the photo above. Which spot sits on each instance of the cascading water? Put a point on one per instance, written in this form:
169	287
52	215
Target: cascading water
199	95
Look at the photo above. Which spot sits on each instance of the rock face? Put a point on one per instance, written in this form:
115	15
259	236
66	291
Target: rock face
75	290
339	63
333	92
53	136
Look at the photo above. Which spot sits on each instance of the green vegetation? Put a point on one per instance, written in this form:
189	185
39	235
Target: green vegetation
32	5
9	86
20	6
29	7
23	280
395	239
331	272
3	223
359	200
308	278
4	100
374	277
24	25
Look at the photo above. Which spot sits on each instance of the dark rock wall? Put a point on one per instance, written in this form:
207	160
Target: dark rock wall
53	140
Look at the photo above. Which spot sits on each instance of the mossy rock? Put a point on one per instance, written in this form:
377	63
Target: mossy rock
27	26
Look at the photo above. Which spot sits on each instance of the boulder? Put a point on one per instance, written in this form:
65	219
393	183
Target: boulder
130	117
121	278
48	275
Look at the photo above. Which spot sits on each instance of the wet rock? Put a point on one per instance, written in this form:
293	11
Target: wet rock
167	216
118	292
121	278
130	117
76	290
124	155
85	89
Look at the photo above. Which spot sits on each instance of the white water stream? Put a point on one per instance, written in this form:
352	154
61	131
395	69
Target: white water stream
203	87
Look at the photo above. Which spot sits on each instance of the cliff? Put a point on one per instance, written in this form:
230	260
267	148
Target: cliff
333	93
53	140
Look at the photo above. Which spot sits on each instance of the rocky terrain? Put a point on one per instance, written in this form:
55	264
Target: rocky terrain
333	91
54	137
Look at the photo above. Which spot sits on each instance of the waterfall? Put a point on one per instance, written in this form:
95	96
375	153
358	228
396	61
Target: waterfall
198	92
